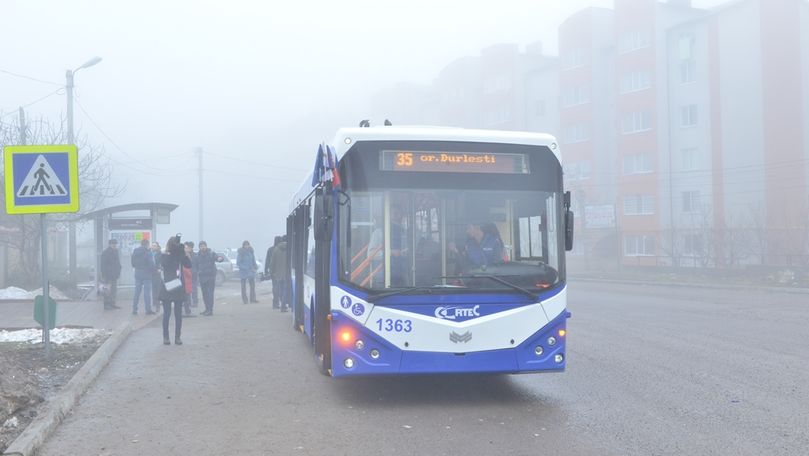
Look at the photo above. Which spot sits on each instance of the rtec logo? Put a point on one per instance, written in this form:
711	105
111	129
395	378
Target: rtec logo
451	313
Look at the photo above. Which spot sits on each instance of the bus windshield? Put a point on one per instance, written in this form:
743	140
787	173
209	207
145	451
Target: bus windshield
470	240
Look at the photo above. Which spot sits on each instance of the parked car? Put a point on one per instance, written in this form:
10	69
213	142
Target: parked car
224	269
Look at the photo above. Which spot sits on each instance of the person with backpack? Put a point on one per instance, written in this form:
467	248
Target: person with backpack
144	265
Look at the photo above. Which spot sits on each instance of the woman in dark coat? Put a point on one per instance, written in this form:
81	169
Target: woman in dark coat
171	262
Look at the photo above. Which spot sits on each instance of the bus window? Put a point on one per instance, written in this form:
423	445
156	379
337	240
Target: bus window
433	237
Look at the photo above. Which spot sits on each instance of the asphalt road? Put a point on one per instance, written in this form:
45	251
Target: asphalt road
651	371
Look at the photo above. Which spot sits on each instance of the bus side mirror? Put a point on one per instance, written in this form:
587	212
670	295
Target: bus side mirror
324	215
568	223
568	230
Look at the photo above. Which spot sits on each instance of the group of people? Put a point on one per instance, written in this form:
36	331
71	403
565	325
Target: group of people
174	275
171	276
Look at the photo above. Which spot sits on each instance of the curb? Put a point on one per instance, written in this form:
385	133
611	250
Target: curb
32	438
691	285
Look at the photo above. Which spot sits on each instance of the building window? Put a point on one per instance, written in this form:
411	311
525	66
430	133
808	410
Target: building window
575	134
498	83
686	45
688	116
635	81
637	164
539	108
636	122
691	201
574	58
575	96
497	117
692	244
639	245
577	171
639	205
635	40
688	69
690	159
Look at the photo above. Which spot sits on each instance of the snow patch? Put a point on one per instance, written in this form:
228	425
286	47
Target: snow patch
19	293
11	423
58	336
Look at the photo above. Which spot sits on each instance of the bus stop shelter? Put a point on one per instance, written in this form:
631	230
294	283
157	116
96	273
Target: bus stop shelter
129	224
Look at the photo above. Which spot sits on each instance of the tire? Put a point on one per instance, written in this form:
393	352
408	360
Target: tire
220	278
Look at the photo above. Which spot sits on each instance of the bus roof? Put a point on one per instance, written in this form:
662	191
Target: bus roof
347	137
427	133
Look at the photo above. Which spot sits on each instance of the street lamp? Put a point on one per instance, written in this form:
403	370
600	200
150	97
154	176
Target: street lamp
71	140
69	88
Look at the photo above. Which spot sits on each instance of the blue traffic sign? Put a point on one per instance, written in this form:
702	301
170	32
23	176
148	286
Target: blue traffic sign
41	179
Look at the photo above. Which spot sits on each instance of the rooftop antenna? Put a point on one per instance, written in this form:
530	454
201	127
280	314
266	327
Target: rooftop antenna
365	123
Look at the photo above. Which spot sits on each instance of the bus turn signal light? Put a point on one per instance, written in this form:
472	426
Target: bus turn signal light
345	336
562	333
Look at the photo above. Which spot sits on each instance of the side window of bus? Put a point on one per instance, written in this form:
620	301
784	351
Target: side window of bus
309	259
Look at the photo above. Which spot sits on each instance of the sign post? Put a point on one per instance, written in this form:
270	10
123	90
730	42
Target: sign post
42	180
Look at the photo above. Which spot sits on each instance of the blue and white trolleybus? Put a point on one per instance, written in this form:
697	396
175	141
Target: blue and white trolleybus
416	250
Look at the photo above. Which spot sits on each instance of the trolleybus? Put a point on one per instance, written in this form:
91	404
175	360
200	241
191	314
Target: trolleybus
417	250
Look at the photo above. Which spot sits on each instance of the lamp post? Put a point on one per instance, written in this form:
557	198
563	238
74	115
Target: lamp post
71	140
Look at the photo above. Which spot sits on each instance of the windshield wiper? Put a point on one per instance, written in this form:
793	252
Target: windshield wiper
498	280
375	298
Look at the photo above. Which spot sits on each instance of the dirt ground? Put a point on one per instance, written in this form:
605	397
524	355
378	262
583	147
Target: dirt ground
28	379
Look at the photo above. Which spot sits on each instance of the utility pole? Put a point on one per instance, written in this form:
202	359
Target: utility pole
23	128
199	180
71	234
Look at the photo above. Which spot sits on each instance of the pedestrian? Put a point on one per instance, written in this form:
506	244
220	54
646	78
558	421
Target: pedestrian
246	262
268	258
173	290
194	274
207	260
143	263
278	272
188	279
110	273
157	280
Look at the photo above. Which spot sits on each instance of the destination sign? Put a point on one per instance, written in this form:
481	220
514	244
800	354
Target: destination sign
453	162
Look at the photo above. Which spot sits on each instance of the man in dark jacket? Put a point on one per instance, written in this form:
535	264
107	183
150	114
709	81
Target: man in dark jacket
110	272
268	258
278	271
143	263
206	261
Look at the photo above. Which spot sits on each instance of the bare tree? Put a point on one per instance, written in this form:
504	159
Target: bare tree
21	232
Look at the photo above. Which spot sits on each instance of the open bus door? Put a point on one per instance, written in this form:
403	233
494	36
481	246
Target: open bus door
323	224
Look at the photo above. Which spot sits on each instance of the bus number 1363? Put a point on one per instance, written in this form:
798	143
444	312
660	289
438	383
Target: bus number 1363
391	325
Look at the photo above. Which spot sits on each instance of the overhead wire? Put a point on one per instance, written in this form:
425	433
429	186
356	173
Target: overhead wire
22	76
252	162
134	160
14	111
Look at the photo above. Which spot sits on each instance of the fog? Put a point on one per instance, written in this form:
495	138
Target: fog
256	85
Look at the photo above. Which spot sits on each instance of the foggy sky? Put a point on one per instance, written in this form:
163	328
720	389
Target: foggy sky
260	82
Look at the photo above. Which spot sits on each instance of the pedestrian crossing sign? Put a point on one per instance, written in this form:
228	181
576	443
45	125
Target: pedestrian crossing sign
41	179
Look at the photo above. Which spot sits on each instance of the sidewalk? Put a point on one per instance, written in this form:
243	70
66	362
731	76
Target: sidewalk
86	314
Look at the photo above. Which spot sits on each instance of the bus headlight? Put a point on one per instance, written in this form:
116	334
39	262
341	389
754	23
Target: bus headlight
538	350
359	345
558	358
349	363
374	354
551	341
